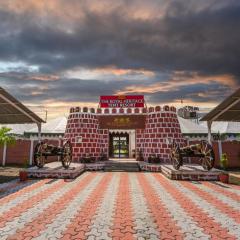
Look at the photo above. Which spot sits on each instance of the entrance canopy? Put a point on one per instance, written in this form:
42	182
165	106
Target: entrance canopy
12	111
228	110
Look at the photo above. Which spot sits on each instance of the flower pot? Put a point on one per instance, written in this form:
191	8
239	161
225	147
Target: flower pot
23	176
223	177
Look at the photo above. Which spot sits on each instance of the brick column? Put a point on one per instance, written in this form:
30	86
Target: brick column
160	126
83	131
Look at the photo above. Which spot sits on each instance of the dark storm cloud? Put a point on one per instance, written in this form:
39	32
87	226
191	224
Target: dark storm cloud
198	92
205	41
187	36
68	90
78	90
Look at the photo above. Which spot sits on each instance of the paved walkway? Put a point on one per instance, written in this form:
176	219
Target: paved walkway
8	173
119	206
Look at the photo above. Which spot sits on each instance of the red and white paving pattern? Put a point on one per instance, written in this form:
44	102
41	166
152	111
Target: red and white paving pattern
119	205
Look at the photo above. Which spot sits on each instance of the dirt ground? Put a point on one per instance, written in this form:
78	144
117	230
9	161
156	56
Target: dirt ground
8	173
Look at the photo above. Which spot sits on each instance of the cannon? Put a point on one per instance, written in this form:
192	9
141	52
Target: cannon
43	150
203	151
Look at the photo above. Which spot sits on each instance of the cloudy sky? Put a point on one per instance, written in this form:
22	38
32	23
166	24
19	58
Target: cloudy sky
56	54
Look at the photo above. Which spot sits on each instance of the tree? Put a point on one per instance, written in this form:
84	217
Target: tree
5	137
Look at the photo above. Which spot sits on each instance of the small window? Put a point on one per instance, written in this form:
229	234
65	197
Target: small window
78	139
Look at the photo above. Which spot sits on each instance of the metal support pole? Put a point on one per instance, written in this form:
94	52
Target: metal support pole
209	124
220	148
59	145
31	152
39	131
4	154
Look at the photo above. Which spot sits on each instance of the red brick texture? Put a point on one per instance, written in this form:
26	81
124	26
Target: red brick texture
160	125
232	149
83	131
19	153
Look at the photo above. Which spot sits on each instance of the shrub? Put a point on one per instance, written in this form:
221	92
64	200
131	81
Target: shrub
224	161
6	137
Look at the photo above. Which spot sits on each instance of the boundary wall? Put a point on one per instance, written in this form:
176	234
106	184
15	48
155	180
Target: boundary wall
21	153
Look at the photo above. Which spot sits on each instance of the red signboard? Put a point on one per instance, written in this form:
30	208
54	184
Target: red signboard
133	101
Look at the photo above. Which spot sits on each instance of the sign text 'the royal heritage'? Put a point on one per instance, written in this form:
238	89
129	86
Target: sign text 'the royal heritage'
130	101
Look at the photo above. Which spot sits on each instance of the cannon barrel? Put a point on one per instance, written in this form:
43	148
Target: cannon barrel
203	151
43	150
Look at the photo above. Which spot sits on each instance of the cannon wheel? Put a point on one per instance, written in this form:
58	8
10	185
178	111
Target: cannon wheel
66	157
39	159
176	156
209	158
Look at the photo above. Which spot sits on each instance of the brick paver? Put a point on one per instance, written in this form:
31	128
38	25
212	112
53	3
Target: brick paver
123	221
119	206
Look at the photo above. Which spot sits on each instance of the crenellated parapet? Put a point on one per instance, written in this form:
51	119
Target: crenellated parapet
145	110
87	138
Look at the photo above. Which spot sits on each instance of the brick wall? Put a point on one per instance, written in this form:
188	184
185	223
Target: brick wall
83	131
104	141
161	125
19	153
231	148
139	139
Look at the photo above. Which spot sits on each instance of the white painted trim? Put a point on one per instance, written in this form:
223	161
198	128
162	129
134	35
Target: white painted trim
220	148
59	145
121	130
39	125
4	154
130	145
209	124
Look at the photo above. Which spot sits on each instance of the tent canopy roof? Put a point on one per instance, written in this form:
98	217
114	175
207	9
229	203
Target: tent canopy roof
12	111
228	110
189	127
57	125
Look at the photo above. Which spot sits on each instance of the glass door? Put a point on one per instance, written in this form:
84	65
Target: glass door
119	145
116	150
123	147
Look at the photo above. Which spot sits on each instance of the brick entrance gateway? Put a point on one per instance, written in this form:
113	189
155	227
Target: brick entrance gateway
90	130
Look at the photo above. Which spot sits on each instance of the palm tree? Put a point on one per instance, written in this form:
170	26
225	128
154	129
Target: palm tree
5	137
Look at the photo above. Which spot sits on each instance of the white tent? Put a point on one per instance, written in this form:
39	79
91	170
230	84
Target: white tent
54	126
18	129
190	127
58	125
224	127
